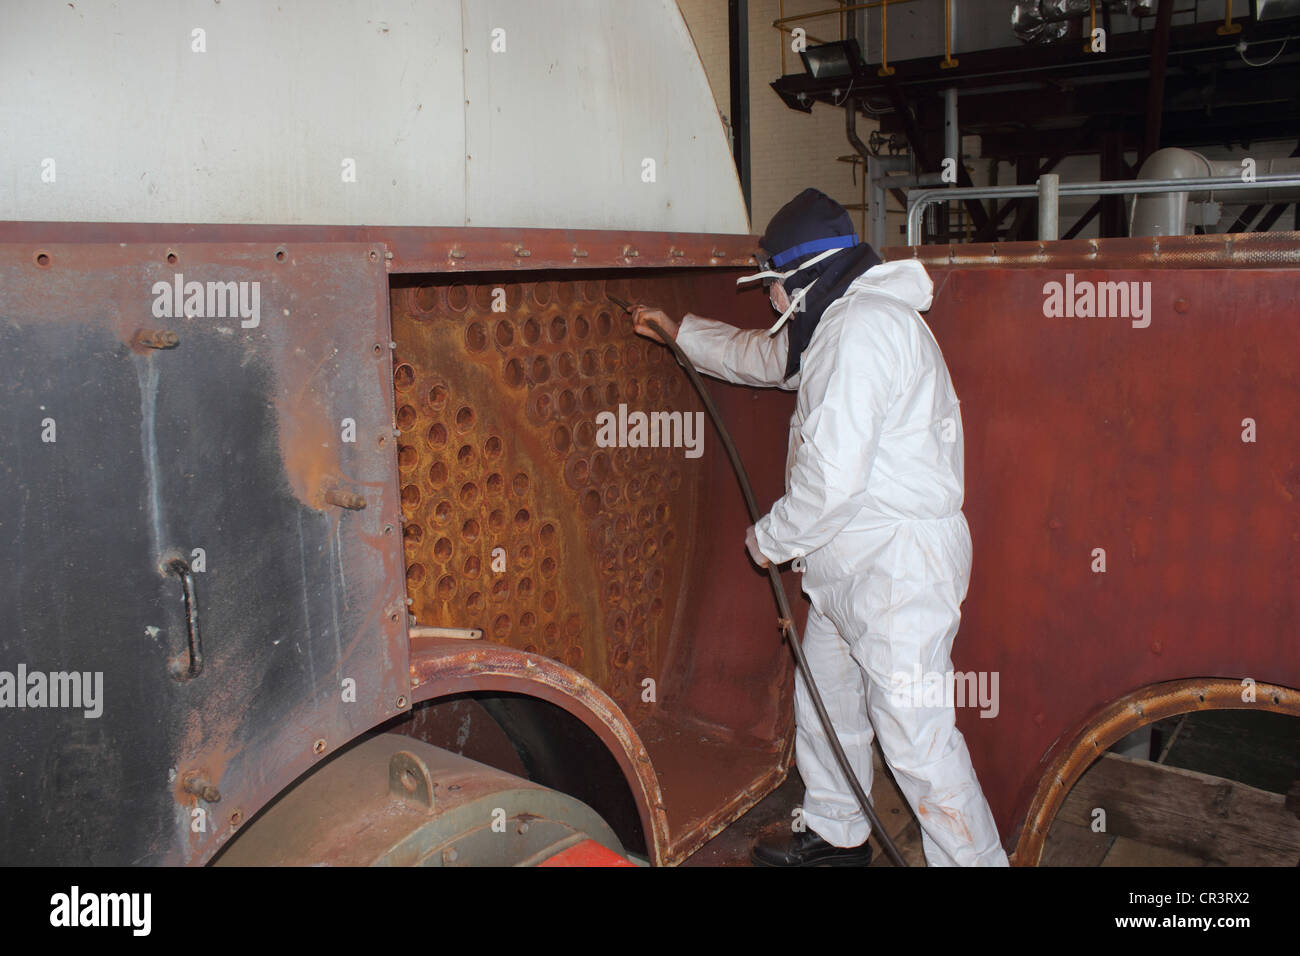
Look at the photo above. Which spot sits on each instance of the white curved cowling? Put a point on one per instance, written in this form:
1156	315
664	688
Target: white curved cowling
590	114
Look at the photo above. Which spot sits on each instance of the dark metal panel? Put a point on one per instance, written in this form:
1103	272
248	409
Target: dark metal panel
211	431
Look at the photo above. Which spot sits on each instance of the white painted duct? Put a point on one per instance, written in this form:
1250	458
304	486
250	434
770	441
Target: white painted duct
109	111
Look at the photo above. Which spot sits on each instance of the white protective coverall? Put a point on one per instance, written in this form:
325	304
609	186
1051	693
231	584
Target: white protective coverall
873	503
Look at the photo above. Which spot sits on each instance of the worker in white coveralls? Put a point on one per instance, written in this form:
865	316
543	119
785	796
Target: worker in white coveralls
873	506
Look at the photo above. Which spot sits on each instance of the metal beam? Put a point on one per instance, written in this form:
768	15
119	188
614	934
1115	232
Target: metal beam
1272	216
1156	89
738	71
1127	53
924	160
1086	218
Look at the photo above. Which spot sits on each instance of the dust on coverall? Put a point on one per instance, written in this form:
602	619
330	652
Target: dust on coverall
874	489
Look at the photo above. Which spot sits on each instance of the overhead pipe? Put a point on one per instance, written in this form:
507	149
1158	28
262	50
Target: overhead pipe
1165	213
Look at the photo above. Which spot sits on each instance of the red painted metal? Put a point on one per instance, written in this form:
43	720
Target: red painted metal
587	853
1087	433
1080	434
1238	250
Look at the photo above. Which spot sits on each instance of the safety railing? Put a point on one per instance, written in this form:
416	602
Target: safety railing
1048	190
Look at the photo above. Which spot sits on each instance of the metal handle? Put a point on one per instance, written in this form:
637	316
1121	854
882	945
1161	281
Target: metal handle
181	669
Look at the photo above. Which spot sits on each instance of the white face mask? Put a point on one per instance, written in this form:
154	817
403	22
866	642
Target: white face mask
777	296
798	298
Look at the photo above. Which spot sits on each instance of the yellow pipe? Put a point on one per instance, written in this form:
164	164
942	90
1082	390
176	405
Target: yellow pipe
948	62
885	68
1228	27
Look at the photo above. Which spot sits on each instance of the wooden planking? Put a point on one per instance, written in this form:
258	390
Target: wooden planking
1216	820
1072	845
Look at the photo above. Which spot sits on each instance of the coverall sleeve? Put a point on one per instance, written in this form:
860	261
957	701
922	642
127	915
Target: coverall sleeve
840	436
739	356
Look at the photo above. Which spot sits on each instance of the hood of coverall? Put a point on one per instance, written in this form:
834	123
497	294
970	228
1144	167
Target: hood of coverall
903	279
804	229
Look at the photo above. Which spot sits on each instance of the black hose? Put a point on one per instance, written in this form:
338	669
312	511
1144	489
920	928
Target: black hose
785	621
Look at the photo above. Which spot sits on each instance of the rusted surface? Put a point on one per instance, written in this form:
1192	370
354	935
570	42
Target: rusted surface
1238	250
227	439
1087	433
516	521
1074	753
435	249
626	564
710	777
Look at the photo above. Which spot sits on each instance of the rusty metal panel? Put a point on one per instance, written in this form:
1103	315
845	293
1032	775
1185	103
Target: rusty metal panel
412	249
1250	250
1087	433
133	438
499	451
624	563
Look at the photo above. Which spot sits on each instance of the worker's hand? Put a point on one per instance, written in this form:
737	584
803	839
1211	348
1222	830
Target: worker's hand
751	542
643	314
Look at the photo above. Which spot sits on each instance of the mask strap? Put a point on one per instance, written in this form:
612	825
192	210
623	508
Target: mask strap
767	274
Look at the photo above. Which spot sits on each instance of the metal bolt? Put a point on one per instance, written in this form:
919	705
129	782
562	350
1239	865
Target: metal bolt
345	499
155	339
194	782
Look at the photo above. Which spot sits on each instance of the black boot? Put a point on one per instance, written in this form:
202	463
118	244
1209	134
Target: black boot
806	848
